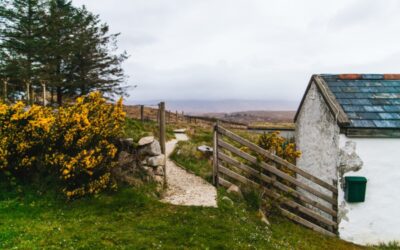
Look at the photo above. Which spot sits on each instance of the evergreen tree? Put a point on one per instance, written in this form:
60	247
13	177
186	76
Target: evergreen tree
95	65
21	28
54	43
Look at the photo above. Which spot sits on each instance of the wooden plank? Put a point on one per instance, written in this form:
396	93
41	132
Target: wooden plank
273	194
302	209
237	177
224	182
275	171
305	223
275	158
279	185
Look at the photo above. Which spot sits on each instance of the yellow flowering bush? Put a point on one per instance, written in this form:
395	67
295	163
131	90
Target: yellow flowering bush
23	134
74	145
83	149
279	146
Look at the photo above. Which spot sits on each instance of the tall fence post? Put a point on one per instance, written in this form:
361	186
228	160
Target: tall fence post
162	135
5	90
142	113
215	155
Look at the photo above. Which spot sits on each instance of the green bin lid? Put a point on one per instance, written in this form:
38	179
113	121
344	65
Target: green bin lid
355	178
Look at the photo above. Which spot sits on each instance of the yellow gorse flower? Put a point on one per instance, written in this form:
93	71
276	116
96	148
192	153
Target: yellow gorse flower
73	143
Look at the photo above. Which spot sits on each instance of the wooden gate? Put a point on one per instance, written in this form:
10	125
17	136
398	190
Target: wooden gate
311	203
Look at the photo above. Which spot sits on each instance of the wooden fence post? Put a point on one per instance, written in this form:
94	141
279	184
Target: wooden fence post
5	90
215	156
162	136
142	113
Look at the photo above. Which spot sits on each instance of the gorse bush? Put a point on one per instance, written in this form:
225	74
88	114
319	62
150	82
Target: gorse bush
73	146
279	146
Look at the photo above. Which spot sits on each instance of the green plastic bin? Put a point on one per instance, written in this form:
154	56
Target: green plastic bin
355	187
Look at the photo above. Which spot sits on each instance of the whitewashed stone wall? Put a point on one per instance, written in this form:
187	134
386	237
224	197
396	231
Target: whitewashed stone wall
317	137
378	218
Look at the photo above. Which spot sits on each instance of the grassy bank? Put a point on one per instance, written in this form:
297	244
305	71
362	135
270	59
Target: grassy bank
135	219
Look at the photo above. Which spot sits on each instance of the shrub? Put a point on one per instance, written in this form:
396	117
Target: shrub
73	145
279	146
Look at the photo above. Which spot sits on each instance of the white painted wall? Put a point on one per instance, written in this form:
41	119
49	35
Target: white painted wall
378	218
317	137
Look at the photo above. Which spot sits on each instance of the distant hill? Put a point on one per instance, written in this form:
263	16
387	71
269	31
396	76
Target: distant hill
224	106
256	117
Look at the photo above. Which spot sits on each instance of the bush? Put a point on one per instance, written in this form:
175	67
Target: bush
73	146
279	146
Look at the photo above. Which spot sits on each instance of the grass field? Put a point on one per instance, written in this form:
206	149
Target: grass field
35	217
133	218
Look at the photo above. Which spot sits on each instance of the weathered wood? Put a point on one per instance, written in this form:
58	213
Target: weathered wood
224	182
275	171
5	94
276	159
215	156
305	223
162	134
276	184
275	195
236	176
142	113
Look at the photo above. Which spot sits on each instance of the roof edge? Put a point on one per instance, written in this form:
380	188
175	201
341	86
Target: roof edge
333	104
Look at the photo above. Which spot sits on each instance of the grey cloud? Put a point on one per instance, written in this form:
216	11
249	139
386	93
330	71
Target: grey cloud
248	49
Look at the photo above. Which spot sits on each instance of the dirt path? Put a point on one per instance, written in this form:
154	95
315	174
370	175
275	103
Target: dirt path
185	188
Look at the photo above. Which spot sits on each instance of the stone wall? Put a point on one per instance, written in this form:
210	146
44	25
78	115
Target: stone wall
140	162
317	137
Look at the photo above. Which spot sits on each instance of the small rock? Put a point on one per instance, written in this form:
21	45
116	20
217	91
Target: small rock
146	140
149	171
205	149
233	189
159	179
263	217
156	161
126	159
228	200
180	131
159	171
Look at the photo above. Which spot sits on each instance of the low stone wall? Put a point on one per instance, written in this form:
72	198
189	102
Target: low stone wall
140	163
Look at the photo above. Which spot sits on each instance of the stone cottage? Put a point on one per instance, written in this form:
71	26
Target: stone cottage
348	128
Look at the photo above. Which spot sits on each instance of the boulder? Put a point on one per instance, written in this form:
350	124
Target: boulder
152	149
156	161
146	140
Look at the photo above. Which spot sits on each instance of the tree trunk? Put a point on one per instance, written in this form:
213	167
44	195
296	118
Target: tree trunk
59	96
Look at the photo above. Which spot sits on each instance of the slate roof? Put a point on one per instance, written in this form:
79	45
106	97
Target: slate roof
369	100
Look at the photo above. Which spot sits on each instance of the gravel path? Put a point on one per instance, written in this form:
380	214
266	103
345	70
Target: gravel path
185	188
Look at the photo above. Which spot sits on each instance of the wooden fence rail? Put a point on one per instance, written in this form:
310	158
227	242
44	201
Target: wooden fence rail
311	205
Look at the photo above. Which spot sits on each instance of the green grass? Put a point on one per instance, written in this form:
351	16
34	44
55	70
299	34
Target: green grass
187	156
136	129
135	219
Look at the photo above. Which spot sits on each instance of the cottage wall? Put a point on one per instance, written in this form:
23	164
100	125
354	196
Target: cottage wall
317	136
378	218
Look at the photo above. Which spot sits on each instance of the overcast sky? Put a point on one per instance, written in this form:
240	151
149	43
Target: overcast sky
248	49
